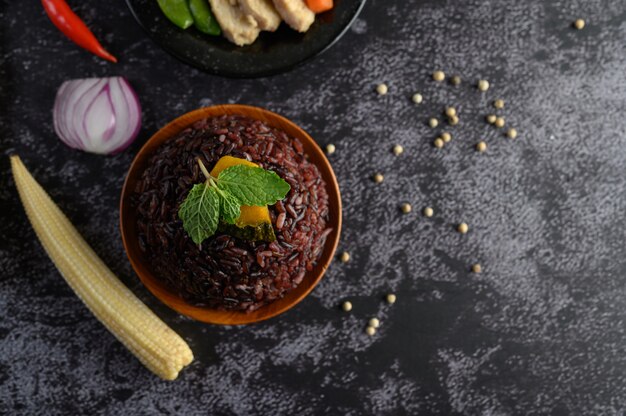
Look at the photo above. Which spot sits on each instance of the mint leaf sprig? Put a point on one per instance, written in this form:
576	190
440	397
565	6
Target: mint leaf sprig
221	197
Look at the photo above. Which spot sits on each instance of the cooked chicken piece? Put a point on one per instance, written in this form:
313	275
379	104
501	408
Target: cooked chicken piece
295	13
237	27
263	12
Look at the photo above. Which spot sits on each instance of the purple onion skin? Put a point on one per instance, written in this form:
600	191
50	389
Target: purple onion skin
138	126
97	115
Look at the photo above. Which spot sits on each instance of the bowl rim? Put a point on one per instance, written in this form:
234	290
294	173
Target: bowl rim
215	316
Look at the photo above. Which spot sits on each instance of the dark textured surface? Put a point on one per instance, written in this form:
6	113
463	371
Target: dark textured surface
540	331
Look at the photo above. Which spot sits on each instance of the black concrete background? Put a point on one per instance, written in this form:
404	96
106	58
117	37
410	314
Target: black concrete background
540	331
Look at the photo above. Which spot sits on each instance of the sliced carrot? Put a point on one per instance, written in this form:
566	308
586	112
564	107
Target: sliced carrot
319	6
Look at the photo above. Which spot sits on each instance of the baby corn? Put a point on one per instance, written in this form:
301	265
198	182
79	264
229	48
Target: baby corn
156	345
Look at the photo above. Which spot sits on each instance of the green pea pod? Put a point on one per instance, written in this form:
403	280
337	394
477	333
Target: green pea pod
177	11
203	18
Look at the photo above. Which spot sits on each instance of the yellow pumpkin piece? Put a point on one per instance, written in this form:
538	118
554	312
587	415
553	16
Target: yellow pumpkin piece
251	216
228	161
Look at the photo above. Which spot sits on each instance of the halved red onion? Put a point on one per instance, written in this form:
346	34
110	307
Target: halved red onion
97	115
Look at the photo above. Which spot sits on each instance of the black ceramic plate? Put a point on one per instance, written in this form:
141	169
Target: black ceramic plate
270	54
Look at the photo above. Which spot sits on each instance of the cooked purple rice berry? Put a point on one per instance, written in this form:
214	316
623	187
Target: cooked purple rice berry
226	272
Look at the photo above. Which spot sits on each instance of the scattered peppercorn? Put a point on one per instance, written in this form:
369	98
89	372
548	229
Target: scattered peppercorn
456	80
433	122
374	322
406	208
499	104
499	123
438	143
439	76
370	330
378	178
511	133
476	268
491	118
382	89
345	257
397	150
462	228
453	121
446	137
481	146
483	85
330	149
428	212
417	98
391	298
346	306
451	111
579	24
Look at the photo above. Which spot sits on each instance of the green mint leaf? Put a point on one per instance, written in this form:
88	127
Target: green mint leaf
229	207
252	185
200	212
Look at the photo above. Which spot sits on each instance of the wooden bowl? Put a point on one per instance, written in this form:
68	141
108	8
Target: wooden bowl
141	265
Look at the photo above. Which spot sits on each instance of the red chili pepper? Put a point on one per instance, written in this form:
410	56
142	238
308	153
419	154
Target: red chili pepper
70	24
